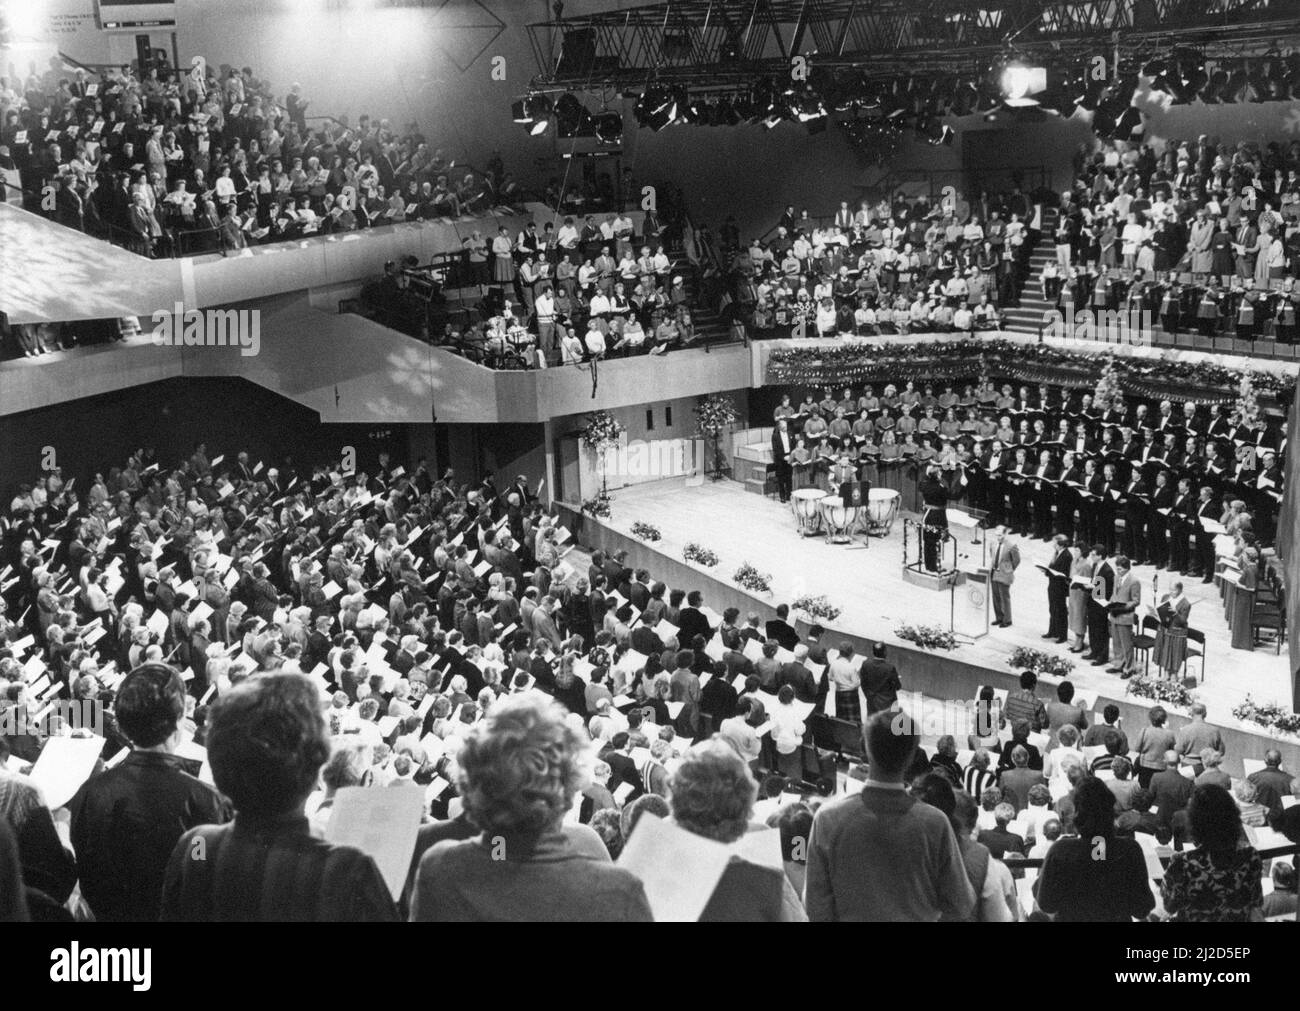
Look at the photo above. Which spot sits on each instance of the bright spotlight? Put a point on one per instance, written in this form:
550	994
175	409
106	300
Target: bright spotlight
1019	82
26	19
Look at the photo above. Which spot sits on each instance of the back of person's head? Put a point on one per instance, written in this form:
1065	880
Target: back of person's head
1003	814
889	749
1110	713
150	704
935	790
647	803
965	812
1113	741
1068	735
795	825
990	798
346	766
1210	758
608	825
266	742
1065	692
878	650
1019	756
1140	800
712	792
1094	809
520	767
1051	829
1039	795
1028	679
684	659
1121	766
1157	716
1213	819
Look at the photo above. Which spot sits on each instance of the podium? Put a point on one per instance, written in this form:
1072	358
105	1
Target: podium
971	601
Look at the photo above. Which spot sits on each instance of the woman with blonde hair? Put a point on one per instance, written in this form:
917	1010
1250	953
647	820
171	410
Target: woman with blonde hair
518	774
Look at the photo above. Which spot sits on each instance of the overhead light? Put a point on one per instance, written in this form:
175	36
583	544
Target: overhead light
540	126
519	111
608	127
1020	82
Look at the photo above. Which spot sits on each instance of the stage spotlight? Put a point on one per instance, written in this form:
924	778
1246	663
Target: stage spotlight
1020	82
519	111
539	126
537	112
1129	122
809	109
609	128
571	116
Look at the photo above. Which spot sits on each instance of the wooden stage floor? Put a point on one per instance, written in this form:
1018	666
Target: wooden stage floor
868	586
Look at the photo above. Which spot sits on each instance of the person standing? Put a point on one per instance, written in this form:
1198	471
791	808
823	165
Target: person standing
883	855
880	681
782	446
267	740
1082	568
1058	589
126	821
1002	573
1123	607
934	518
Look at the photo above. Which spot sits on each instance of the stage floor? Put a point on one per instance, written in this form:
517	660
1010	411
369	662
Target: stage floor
868	586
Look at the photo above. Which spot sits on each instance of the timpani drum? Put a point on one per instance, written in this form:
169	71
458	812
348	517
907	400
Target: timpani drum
882	510
804	503
838	518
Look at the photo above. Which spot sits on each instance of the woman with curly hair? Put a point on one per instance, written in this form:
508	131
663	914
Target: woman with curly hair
520	770
712	795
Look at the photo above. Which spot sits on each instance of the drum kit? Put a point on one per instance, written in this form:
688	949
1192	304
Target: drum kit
839	519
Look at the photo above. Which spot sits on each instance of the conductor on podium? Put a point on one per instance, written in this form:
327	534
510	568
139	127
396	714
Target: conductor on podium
934	517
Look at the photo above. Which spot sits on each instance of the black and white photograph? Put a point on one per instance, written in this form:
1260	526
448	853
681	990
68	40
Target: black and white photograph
609	462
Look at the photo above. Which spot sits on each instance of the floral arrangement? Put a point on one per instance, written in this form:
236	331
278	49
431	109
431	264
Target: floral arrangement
1107	386
927	636
1199	381
816	607
646	531
699	555
714	413
598	506
1024	658
602	432
1268	714
1247	401
1160	690
751	579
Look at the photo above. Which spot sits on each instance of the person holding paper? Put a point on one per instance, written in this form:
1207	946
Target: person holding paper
1058	589
1124	603
47	867
1002	573
519	773
267	741
126	821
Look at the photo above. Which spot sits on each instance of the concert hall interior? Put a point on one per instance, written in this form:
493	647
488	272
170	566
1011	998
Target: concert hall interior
794	460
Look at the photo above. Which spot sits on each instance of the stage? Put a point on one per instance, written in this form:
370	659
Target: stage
868	586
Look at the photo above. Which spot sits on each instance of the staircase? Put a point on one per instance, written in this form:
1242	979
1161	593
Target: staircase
710	328
1031	314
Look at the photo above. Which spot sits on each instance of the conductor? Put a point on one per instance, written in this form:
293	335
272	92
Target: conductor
934	517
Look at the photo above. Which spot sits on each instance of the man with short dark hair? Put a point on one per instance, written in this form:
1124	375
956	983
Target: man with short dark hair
125	821
1095	735
1023	704
1271	783
1170	789
882	855
880	681
781	630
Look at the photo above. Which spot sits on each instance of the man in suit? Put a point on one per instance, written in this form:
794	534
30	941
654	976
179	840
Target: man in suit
718	697
1136	501
1170	789
1124	605
781	630
543	622
1058	589
1271	783
1206	509
691	621
1002	573
684	685
880	681
1103	585
797	675
782	444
